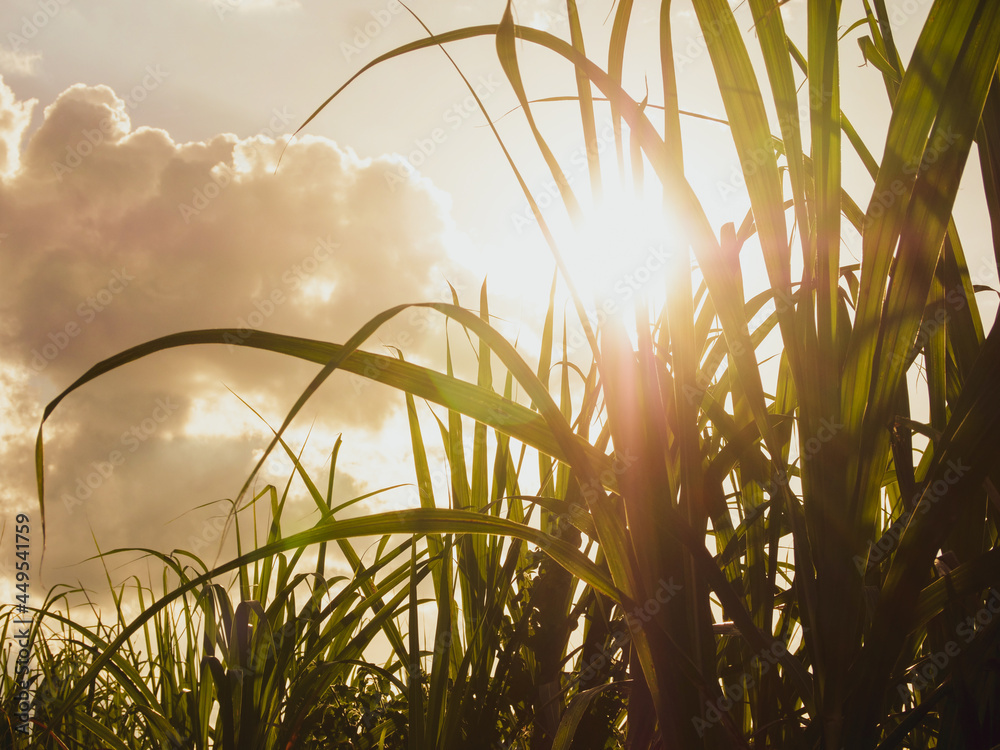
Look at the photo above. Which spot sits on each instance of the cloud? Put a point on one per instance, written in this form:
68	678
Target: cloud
15	117
15	62
115	235
225	7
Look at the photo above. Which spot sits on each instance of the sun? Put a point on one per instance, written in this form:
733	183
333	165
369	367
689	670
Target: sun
623	249
620	253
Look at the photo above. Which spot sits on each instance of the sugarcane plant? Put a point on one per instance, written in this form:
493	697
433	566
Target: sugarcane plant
755	556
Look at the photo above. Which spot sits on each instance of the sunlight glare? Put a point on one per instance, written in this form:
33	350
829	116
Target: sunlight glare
620	252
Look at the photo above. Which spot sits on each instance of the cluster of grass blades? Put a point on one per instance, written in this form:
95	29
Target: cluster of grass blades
269	660
665	534
273	674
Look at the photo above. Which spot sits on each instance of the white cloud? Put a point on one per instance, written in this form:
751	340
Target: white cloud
15	117
117	235
225	7
15	62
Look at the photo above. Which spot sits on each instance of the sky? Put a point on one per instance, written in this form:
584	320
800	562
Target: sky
140	195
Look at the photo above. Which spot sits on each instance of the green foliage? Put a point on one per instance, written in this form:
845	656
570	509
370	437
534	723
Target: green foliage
744	555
